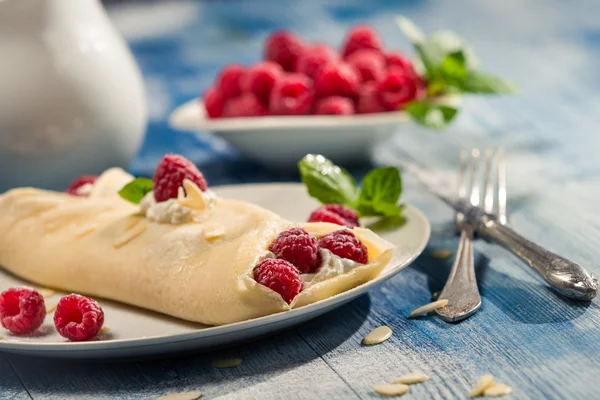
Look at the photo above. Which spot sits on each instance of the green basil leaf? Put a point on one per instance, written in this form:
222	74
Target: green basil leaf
379	193
135	190
327	182
476	82
431	114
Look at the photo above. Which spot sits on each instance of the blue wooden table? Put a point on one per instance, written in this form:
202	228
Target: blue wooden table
541	345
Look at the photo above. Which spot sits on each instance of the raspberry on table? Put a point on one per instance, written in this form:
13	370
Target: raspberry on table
73	188
297	247
214	103
334	105
344	244
337	79
229	79
246	105
361	37
22	310
397	88
292	95
78	318
279	276
312	59
283	47
370	64
169	176
335	214
395	59
368	100
260	79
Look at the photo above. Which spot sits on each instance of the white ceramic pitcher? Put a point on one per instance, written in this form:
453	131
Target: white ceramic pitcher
71	95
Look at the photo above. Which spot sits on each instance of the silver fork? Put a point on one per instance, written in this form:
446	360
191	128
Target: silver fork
461	287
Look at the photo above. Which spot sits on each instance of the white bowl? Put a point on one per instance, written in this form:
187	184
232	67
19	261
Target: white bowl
281	141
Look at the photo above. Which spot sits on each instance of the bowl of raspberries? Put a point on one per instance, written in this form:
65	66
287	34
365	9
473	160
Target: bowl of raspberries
308	97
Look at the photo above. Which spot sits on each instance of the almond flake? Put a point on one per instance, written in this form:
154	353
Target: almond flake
483	383
128	236
227	363
1	337
46	292
86	230
194	198
394	389
51	309
104	329
213	232
181	396
441	254
428	308
497	389
412	378
378	335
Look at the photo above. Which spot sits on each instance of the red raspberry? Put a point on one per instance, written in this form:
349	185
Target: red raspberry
368	100
335	214
279	276
260	79
370	64
246	105
79	182
169	176
78	318
283	47
213	103
292	95
337	79
313	59
345	245
229	79
361	37
22	310
334	105
397	88
297	247
393	59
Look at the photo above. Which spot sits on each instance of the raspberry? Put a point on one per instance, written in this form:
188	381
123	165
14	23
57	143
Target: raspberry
345	245
335	214
334	105
394	59
21	310
169	176
229	79
74	187
246	105
361	37
260	79
279	276
311	60
297	247
213	103
368	100
78	318
370	64
283	47
397	88
337	79
292	95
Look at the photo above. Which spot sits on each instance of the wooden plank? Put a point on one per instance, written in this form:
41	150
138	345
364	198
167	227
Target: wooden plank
10	385
271	368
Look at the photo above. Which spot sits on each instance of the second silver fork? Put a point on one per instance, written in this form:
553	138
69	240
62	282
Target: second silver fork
461	287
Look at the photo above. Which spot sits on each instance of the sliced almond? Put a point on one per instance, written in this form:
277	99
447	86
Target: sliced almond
46	292
412	378
103	330
194	198
128	236
181	396
483	383
497	389
377	335
428	308
441	254
227	363
51	309
86	230
1	337
213	232
394	389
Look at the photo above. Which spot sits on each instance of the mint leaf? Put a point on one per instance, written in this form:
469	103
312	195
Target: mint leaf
135	190
431	114
327	182
476	82
379	193
453	67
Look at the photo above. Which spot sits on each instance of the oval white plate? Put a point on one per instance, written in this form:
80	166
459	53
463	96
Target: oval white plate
135	332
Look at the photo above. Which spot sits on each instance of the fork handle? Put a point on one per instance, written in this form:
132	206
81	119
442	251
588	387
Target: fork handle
565	276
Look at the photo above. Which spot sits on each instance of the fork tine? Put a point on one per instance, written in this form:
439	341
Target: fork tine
501	176
461	183
475	195
488	183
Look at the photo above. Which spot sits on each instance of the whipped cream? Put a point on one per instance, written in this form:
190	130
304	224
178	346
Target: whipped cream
331	266
85	190
165	212
108	184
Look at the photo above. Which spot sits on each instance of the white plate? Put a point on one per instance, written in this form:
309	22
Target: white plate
135	332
